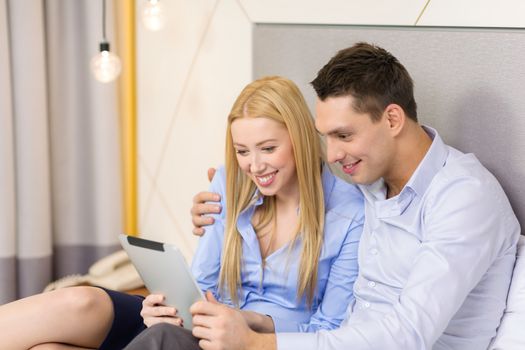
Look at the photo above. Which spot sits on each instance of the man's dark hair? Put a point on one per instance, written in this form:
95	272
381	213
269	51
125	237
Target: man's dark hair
372	76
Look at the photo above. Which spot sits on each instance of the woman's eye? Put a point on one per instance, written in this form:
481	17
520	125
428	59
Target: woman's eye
241	152
269	149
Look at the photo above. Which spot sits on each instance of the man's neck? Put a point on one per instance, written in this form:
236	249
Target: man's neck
414	144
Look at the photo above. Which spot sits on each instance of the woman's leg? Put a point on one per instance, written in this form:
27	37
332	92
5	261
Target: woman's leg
80	316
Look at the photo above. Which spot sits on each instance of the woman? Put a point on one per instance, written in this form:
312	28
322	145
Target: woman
269	257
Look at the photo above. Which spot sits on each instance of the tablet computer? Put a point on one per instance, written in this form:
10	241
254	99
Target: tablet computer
164	271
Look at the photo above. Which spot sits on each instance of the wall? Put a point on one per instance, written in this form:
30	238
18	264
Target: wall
190	72
468	82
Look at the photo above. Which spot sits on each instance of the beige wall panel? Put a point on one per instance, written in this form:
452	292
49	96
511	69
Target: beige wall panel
399	12
145	189
163	226
196	137
164	61
474	13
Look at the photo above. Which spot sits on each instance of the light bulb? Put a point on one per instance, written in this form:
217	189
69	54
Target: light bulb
152	15
105	65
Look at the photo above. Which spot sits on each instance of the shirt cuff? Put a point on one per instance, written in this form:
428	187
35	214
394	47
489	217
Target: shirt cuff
294	341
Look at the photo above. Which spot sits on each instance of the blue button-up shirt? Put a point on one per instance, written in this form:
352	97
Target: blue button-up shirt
272	289
435	262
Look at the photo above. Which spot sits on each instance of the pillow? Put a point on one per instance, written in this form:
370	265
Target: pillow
511	333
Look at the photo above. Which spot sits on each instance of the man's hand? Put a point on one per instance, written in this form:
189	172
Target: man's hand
220	327
258	322
200	209
211	173
154	311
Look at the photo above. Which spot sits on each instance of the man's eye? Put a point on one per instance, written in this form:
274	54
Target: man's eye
343	137
241	152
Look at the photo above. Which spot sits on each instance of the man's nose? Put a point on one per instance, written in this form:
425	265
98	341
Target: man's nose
333	152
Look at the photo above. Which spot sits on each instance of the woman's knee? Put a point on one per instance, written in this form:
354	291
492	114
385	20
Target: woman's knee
82	300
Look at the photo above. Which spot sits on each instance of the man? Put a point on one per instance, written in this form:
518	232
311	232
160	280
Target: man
439	241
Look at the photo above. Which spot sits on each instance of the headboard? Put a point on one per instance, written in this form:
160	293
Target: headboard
469	83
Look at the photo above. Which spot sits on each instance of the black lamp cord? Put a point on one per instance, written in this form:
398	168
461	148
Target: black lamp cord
104	20
104	45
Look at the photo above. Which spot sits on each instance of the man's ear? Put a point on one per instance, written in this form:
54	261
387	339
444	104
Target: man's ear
396	118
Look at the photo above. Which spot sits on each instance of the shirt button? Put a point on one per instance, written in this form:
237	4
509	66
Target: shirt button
366	305
371	284
374	251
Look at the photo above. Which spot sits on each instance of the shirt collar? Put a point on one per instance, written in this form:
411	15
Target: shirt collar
431	164
418	183
244	225
257	199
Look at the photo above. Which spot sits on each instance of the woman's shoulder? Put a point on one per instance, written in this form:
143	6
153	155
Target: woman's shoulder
339	193
220	172
344	205
218	183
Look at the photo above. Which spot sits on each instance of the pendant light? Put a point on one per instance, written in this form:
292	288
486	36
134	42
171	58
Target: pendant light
153	15
105	65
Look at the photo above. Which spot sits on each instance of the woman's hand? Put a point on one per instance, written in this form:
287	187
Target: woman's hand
154	311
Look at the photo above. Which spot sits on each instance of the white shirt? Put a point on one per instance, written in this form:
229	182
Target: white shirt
435	262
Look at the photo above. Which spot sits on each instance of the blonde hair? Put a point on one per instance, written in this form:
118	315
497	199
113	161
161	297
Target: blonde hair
278	99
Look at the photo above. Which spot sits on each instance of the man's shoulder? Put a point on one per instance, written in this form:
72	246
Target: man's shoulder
464	179
467	199
465	168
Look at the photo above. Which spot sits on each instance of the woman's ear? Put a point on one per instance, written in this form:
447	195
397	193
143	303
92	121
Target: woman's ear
396	118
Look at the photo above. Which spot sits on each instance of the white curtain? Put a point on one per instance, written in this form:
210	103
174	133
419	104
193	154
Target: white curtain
60	189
